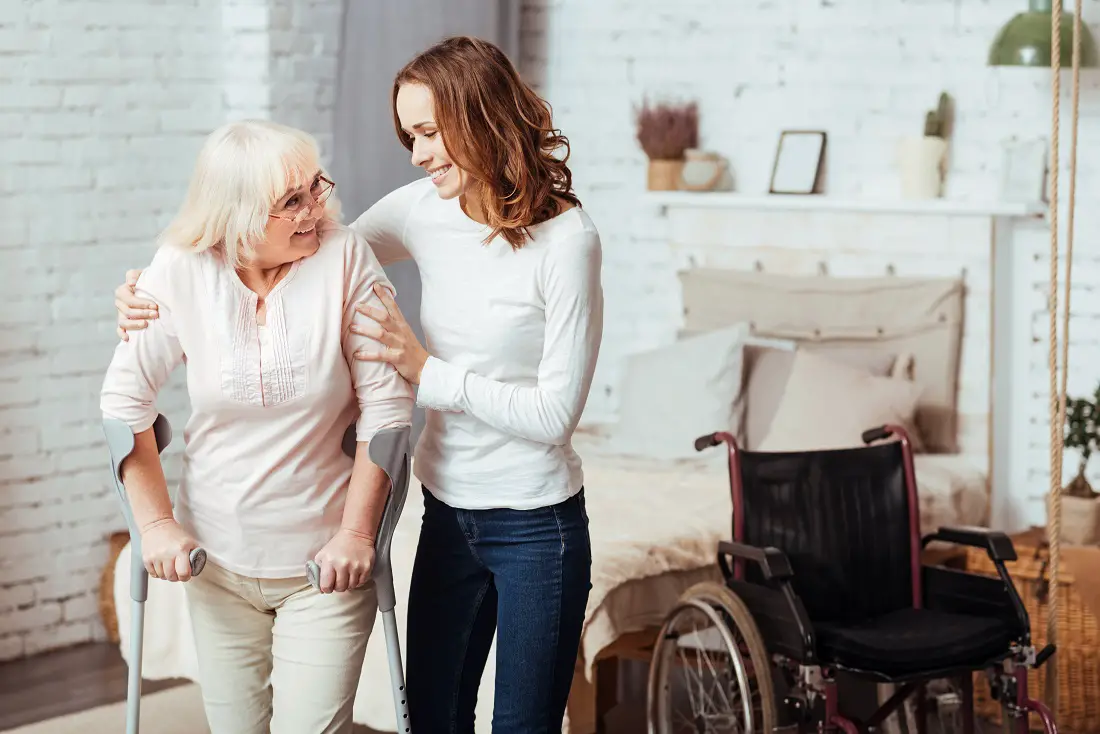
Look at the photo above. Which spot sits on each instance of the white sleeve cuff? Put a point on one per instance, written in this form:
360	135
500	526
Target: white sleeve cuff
441	386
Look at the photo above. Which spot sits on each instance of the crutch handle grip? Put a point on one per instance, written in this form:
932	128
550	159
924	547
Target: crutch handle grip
198	561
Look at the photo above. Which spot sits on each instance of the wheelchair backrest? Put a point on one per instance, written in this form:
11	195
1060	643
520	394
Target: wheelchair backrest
842	518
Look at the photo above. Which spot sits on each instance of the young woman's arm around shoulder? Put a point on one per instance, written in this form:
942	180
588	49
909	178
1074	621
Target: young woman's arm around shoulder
547	412
382	226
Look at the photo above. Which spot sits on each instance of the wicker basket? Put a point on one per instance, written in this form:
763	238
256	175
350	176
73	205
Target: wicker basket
1078	655
107	611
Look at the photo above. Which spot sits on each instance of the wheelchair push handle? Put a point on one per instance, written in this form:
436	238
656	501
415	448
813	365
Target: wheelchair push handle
707	441
876	434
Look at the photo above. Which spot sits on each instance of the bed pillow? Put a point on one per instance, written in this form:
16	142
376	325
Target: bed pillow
768	367
672	395
892	314
828	404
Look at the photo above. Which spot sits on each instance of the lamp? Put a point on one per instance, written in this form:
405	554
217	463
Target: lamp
1025	40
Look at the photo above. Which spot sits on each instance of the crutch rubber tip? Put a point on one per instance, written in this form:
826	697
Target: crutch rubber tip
313	573
198	561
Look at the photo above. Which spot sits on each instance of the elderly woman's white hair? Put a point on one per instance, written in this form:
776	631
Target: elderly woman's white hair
243	170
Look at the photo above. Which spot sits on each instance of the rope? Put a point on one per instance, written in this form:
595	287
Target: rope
1054	499
1058	392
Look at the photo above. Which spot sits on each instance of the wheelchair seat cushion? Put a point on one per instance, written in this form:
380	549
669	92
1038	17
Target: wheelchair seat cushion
909	642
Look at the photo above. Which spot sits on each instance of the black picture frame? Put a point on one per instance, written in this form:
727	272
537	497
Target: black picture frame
799	162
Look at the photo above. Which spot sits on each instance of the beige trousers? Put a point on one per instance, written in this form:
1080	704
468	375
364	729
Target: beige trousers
275	655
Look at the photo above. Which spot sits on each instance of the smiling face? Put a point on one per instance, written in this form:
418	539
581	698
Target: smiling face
416	111
292	227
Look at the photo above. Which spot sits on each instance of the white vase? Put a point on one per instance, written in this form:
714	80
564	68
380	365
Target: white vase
1081	520
922	163
705	171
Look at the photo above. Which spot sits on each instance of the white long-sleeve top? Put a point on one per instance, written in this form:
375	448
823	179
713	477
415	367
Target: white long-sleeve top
513	335
264	476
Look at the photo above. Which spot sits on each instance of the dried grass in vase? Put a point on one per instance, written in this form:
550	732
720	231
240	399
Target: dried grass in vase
665	131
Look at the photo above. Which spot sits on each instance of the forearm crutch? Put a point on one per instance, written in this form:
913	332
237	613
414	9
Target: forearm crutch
389	450
120	442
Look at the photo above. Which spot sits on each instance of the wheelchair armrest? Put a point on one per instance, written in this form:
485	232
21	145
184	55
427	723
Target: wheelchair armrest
773	562
997	544
774	604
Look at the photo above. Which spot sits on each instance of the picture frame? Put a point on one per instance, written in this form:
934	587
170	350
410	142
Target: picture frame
1025	170
799	159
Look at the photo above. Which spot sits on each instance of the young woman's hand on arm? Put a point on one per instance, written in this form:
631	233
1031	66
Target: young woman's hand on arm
134	312
138	369
385	401
392	339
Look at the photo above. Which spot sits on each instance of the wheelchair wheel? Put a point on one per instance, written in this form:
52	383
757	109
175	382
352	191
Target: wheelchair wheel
710	671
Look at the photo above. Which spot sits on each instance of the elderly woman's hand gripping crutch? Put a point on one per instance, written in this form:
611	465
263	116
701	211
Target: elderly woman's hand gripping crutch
175	557
390	450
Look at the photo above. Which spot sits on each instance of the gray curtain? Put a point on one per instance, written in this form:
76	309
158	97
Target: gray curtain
378	38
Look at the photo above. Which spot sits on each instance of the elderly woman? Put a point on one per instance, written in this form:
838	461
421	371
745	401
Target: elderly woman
256	284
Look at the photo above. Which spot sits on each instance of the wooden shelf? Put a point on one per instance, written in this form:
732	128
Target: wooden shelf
819	202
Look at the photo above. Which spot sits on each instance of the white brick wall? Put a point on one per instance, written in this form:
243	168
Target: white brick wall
866	76
103	105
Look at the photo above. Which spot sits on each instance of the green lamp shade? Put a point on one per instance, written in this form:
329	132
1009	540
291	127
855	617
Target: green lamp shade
1026	41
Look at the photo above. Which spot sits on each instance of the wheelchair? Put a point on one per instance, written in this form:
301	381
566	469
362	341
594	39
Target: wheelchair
823	579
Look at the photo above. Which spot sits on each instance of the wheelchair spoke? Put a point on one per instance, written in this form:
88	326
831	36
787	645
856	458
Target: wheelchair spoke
710	672
708	661
706	682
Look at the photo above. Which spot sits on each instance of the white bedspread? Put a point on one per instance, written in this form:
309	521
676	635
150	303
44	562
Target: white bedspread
649	520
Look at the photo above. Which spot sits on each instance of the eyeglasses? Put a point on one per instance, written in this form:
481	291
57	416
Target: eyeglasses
298	205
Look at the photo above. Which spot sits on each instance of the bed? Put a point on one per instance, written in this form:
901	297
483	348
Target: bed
657	508
655	528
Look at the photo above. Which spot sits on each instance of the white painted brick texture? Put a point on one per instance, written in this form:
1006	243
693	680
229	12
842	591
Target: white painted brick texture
103	105
867	76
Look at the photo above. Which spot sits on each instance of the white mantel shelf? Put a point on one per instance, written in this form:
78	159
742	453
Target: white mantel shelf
823	203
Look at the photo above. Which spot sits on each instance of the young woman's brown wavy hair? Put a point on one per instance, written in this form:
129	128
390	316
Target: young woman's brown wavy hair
496	129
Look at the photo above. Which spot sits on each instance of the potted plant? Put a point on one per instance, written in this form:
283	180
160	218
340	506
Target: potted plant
666	132
1080	508
923	160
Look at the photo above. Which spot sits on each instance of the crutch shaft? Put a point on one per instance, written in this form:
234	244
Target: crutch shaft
397	674
133	687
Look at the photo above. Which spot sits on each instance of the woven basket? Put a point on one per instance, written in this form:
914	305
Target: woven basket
1078	654
107	612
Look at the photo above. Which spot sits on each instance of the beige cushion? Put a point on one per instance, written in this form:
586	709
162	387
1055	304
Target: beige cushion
829	404
674	394
892	315
767	369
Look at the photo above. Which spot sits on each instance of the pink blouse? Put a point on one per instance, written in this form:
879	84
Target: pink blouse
264	476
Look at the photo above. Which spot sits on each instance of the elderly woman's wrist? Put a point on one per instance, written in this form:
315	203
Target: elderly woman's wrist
156	523
358	534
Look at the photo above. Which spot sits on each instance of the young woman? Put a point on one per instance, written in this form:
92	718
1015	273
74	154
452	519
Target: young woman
512	313
256	286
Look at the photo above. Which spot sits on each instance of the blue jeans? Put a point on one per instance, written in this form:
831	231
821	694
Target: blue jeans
523	574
